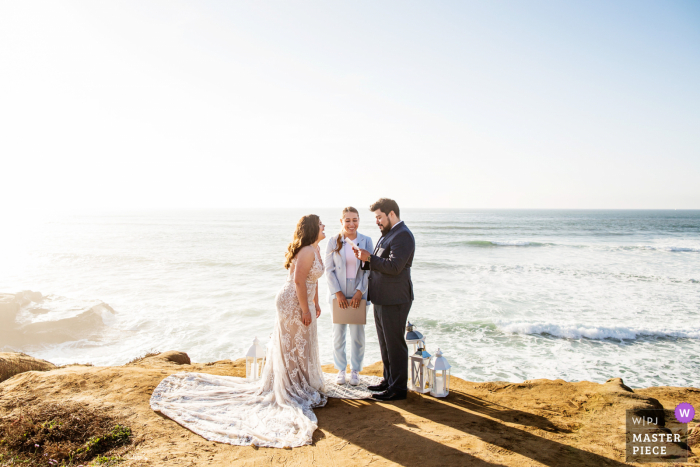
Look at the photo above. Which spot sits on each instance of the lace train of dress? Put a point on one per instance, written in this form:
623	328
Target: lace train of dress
275	411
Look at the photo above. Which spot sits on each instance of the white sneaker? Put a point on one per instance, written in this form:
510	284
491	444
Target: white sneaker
341	378
354	378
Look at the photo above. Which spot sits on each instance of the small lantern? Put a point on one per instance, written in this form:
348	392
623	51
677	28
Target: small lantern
439	374
413	338
420	382
254	361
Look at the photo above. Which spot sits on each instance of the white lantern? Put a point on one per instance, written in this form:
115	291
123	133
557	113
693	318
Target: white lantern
254	361
420	382
413	338
439	374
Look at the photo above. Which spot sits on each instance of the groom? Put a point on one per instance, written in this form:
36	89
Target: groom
391	293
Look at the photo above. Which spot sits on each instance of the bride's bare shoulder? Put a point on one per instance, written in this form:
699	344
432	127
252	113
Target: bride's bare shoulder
306	252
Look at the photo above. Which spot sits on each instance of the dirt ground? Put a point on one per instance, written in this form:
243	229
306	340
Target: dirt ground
536	423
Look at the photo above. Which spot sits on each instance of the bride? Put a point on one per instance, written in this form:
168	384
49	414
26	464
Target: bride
275	411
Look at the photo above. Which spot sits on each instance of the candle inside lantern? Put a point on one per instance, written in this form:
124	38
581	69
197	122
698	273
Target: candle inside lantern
440	386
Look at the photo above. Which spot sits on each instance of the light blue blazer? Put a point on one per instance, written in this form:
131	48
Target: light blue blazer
335	267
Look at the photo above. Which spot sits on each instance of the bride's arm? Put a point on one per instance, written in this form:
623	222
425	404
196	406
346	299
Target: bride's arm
318	306
305	259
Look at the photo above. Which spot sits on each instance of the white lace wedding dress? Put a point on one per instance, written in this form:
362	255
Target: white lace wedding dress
275	411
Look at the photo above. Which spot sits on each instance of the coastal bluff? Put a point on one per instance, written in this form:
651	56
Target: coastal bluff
535	423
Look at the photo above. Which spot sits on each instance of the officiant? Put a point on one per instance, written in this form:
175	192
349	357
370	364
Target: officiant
347	284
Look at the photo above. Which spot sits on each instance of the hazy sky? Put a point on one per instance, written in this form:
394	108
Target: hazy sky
518	104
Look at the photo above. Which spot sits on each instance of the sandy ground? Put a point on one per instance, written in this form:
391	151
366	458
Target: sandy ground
536	423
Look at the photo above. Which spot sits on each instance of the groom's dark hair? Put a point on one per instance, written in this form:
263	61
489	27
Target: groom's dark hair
385	205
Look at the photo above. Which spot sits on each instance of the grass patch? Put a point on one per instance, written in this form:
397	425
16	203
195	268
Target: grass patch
150	353
14	366
65	434
106	461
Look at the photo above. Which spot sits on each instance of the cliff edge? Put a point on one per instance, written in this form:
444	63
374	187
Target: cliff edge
535	423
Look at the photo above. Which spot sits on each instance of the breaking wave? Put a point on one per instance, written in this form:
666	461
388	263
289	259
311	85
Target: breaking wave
526	243
670	248
494	243
88	323
577	331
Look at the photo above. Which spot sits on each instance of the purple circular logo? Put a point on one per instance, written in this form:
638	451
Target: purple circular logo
684	412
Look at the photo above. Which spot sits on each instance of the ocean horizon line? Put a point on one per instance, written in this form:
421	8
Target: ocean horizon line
115	210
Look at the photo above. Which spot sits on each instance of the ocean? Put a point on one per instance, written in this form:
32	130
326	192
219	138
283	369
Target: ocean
507	295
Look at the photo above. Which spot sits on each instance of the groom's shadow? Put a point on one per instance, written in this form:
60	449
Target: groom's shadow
414	431
501	412
384	431
478	418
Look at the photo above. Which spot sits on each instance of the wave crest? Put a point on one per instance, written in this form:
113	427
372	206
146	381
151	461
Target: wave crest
494	243
87	324
577	331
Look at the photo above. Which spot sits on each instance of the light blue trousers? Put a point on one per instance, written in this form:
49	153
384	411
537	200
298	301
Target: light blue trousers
357	338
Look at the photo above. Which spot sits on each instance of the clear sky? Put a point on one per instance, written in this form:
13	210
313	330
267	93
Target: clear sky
483	104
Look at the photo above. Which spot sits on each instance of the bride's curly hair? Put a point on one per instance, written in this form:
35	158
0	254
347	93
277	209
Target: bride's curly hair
305	234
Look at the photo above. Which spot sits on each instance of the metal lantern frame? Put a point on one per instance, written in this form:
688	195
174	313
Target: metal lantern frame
413	341
255	361
439	374
419	361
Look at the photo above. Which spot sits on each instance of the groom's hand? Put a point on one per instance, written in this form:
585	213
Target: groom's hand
362	255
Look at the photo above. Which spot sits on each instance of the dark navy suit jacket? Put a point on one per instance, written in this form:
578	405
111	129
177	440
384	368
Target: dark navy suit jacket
390	268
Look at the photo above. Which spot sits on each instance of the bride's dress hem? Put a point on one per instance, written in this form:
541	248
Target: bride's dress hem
275	411
212	405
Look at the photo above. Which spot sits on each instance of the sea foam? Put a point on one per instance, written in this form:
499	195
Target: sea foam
577	331
488	243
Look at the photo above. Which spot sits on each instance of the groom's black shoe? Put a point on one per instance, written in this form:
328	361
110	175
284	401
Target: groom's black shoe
390	396
383	386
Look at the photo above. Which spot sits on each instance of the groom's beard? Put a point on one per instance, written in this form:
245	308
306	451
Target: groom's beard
384	230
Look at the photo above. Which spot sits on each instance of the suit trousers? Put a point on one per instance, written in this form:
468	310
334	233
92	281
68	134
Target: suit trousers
391	327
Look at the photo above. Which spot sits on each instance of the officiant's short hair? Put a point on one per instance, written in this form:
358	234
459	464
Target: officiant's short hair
386	205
